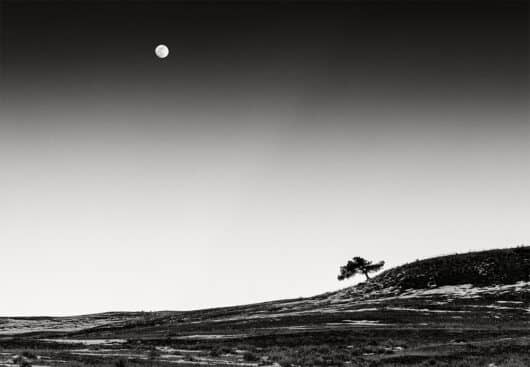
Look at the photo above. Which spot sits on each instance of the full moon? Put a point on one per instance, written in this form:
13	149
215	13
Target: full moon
161	51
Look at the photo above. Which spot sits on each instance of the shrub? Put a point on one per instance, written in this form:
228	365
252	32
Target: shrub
22	361
250	357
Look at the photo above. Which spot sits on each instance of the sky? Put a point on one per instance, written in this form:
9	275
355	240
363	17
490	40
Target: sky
276	141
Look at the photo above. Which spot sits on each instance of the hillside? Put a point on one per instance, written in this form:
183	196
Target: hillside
472	307
502	266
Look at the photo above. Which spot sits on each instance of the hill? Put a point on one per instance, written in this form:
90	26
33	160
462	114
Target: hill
468	309
501	266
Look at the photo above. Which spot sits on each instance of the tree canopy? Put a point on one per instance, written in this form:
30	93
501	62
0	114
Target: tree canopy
359	265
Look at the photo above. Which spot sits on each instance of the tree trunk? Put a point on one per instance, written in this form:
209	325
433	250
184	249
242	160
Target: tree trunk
366	275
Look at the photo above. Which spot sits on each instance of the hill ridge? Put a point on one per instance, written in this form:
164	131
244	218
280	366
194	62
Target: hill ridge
479	268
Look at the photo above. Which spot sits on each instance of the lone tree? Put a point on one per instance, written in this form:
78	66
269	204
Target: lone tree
359	265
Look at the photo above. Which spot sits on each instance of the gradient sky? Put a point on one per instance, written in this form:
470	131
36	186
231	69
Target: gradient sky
275	142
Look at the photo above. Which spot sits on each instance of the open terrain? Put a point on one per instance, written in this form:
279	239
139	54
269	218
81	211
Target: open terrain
460	310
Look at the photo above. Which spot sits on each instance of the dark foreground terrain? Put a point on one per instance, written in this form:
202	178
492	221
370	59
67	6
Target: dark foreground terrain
461	310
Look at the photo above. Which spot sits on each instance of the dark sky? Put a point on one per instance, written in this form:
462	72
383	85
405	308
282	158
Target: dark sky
276	138
439	52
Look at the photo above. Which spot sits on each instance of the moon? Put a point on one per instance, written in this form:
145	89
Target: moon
161	51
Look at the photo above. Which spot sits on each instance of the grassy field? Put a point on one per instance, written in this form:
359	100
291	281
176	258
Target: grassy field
363	346
377	323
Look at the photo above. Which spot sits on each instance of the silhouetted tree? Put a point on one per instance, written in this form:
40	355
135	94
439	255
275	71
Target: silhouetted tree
359	265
